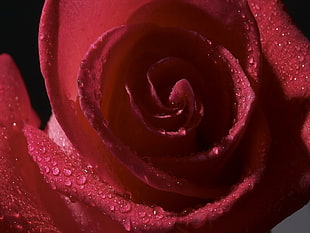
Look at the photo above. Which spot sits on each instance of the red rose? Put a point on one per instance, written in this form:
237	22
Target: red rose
168	116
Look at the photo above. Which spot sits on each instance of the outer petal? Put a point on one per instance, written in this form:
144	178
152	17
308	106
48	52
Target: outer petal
20	208
284	46
286	91
248	208
288	53
62	47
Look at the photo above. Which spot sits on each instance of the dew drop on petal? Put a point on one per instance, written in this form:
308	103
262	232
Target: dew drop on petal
19	227
46	169
55	171
215	150
16	215
257	7
125	208
68	183
42	150
142	214
67	172
127	225
80	180
301	58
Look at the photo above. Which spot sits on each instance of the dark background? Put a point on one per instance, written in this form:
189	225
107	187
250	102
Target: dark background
19	21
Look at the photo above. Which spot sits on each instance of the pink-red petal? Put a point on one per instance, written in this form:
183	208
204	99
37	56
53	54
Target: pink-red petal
62	47
20	207
284	46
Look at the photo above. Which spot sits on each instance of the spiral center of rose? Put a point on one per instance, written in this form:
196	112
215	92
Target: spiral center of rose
170	106
162	91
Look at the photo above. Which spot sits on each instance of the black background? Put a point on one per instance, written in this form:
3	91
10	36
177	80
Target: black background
19	21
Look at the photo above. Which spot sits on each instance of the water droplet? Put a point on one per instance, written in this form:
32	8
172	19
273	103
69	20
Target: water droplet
55	171
68	183
19	227
42	150
47	159
125	208
256	6
16	215
47	169
142	214
251	60
182	131
127	225
80	180
301	58
67	172
215	150
112	207
80	83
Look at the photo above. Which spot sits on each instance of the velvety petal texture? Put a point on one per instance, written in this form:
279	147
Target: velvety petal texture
187	126
168	116
62	88
20	209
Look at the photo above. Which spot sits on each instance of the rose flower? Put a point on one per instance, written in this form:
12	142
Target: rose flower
167	116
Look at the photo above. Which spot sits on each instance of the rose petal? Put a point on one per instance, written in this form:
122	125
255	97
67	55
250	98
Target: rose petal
85	186
93	78
60	41
285	47
288	54
123	181
20	207
61	49
214	20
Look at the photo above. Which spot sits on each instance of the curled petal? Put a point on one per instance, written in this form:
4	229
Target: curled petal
99	73
70	176
63	22
20	207
82	184
285	47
